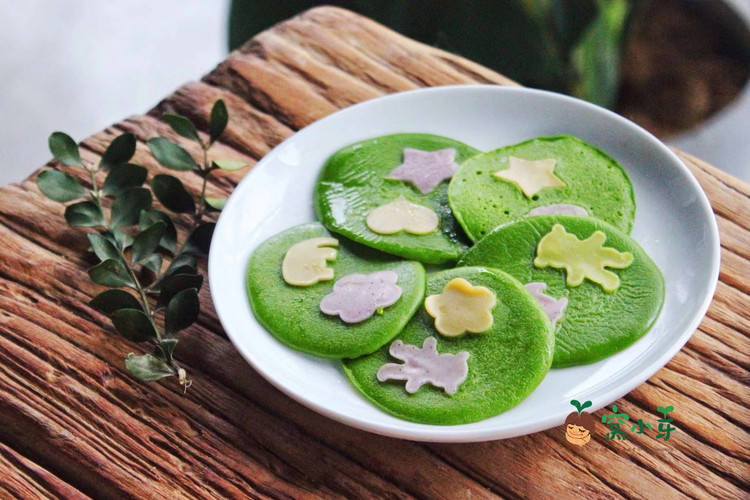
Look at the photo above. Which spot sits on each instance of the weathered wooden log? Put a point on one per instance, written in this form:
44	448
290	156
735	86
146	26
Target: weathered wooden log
73	423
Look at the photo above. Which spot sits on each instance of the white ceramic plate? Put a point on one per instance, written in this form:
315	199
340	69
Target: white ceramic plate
674	224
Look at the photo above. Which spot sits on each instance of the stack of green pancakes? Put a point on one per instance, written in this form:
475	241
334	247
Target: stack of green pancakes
529	261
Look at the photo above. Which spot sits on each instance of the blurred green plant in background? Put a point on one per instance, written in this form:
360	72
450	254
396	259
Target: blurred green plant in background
569	46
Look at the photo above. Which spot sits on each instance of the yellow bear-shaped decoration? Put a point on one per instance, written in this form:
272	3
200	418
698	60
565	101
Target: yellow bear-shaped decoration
306	262
581	258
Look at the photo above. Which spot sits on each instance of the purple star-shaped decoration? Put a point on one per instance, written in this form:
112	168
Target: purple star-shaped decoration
426	169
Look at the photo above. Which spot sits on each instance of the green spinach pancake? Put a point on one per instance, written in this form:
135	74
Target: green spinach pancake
545	175
480	346
390	193
324	295
595	282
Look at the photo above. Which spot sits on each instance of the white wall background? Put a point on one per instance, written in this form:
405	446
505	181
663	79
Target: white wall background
81	65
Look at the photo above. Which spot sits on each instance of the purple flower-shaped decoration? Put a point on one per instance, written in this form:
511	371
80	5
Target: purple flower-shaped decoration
426	169
356	297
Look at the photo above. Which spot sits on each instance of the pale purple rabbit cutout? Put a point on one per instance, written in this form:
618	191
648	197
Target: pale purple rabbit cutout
425	366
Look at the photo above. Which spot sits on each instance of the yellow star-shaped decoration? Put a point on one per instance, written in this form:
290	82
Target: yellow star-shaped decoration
531	175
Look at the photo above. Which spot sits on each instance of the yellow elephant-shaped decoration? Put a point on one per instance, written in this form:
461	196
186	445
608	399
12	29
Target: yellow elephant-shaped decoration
306	263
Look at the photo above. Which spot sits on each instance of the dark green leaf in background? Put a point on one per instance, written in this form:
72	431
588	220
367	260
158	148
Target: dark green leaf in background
127	207
171	155
147	368
65	149
182	126
119	151
172	194
113	300
84	214
133	324
59	186
596	58
539	43
182	311
199	240
123	177
182	264
568	20
112	273
219	119
176	283
229	165
103	247
146	242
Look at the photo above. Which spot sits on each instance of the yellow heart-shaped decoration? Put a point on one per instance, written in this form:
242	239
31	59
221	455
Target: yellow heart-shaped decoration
402	215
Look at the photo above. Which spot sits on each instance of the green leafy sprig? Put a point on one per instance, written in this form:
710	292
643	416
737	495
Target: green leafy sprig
151	273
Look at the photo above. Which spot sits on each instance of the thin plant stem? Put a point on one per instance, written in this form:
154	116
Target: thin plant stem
96	194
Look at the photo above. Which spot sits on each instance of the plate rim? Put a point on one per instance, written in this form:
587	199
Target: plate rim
455	434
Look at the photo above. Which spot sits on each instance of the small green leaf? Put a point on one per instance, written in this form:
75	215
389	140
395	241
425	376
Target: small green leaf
229	165
84	214
216	203
199	240
133	324
176	283
111	273
169	239
123	239
182	311
127	207
103	247
182	264
119	151
146	242
124	177
65	149
182	126
171	155
172	194
147	368
153	263
219	120
166	347
59	186
113	300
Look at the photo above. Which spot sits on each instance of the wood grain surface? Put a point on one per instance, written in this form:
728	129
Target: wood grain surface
74	424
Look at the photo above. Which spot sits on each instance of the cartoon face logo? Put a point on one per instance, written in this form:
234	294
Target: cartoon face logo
578	425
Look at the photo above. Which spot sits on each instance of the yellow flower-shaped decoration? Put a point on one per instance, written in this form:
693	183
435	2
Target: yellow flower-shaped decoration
582	258
462	307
